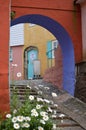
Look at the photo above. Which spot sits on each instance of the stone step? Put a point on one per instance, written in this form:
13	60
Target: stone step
73	108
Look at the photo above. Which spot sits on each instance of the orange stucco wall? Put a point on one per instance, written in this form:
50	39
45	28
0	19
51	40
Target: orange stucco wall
61	11
4	60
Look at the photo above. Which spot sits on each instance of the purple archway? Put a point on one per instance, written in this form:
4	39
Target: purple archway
65	42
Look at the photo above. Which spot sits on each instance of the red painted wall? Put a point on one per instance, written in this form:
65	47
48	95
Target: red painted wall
59	10
4	60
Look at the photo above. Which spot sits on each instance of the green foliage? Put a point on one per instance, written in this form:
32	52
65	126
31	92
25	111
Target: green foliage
33	114
12	15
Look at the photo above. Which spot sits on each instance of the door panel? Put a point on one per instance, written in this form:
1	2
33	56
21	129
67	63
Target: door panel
32	55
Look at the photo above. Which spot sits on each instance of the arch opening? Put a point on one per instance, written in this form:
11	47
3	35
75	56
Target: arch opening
65	42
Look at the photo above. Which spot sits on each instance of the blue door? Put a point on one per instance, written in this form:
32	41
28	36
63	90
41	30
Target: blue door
32	55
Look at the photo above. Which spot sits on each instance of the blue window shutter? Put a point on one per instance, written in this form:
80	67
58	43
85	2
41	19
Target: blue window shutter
49	49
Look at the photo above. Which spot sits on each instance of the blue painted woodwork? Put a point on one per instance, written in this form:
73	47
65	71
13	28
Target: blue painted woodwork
49	49
65	43
32	55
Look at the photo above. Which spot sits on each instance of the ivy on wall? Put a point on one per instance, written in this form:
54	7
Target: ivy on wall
13	13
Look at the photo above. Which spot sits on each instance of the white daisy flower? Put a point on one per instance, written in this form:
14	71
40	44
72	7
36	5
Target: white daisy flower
45	118
47	88
28	86
40	128
40	92
27	118
40	99
54	94
35	113
16	126
20	118
8	116
38	106
50	110
33	110
42	113
31	97
55	105
19	74
26	125
47	101
14	111
61	115
42	121
14	119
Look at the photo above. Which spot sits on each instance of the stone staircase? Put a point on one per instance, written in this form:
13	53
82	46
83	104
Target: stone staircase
72	108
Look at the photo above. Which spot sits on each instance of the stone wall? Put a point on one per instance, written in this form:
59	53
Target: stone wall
80	87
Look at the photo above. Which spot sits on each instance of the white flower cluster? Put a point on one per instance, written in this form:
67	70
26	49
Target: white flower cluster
36	110
19	121
24	122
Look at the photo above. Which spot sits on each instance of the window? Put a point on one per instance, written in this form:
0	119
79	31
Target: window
17	35
49	49
54	46
51	46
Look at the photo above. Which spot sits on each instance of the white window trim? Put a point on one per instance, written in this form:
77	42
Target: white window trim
54	46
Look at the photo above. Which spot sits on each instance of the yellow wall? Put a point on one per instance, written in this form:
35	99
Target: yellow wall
38	36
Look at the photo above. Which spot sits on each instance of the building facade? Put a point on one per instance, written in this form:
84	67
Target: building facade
62	20
80	87
30	44
36	48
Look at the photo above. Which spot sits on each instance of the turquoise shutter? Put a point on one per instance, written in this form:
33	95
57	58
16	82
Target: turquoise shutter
49	49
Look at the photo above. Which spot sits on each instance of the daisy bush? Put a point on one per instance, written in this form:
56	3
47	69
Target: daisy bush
33	114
